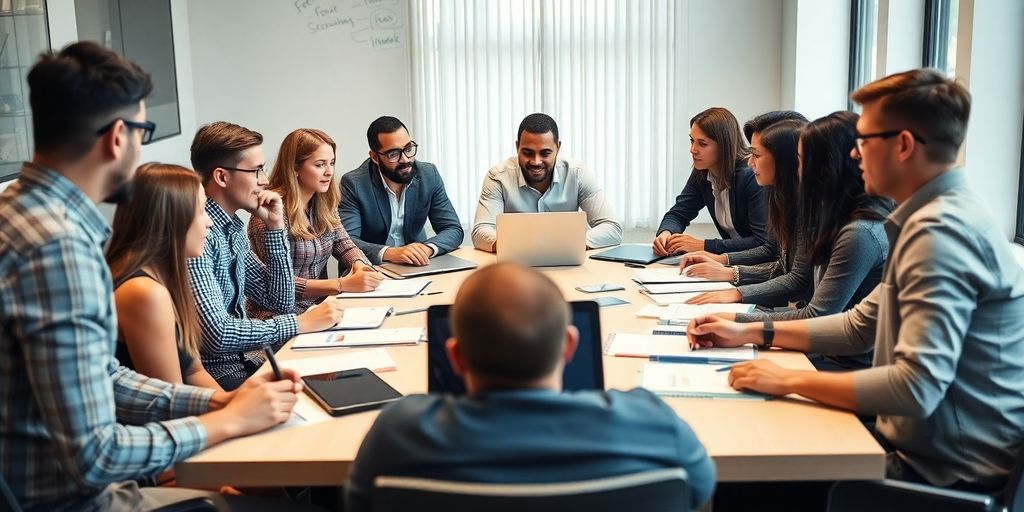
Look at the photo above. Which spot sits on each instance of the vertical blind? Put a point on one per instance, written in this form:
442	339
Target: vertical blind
605	70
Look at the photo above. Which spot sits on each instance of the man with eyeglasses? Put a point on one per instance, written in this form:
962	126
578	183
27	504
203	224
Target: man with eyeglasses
947	320
386	201
229	160
536	180
77	429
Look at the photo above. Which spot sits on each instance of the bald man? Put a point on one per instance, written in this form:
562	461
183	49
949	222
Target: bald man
511	340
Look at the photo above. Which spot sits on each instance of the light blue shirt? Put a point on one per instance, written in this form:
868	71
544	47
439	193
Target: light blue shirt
573	188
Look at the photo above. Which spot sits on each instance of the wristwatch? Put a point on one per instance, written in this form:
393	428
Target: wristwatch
768	334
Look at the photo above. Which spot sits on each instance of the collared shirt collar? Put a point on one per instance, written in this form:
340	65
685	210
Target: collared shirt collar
221	220
56	185
937	186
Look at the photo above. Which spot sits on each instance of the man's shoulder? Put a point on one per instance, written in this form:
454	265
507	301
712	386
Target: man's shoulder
358	175
505	170
29	221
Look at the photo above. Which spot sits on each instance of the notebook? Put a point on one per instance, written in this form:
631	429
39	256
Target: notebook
687	287
349	391
691	381
681	314
665	299
390	288
663	275
364	338
676	346
437	265
363	318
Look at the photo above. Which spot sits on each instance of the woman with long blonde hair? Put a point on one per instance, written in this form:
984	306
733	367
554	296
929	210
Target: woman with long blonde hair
154	234
304	177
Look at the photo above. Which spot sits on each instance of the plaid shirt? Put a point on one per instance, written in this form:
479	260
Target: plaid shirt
222	278
72	420
309	258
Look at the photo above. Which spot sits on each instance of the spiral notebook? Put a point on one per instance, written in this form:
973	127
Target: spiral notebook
692	381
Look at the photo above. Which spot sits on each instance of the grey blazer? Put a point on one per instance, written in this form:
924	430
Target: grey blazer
366	212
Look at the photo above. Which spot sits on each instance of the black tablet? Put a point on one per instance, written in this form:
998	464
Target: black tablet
629	253
349	391
584	371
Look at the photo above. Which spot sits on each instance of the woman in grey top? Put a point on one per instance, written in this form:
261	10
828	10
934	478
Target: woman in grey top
841	242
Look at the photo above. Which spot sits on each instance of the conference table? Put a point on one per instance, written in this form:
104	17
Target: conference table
784	439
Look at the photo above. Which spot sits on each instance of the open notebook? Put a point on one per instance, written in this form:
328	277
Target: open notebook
364	338
691	381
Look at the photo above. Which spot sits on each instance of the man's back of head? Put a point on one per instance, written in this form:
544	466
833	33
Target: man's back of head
511	325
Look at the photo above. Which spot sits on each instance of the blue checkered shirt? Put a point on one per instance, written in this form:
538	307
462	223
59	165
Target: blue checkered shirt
72	420
223	278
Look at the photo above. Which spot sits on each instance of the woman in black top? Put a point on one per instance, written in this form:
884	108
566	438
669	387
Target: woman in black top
720	181
153	235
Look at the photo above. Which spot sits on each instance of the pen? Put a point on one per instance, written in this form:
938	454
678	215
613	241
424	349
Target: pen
691	360
724	368
432	293
273	362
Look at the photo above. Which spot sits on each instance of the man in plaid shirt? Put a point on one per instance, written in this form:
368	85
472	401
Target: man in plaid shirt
76	428
229	160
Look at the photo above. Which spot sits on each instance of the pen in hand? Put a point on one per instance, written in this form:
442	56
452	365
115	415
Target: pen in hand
273	361
432	293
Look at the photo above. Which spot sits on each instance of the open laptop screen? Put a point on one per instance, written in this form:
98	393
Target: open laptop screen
584	371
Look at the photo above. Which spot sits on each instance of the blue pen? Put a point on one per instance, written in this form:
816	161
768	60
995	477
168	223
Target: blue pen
724	368
690	360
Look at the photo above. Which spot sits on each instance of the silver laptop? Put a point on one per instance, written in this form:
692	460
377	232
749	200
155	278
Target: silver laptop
548	239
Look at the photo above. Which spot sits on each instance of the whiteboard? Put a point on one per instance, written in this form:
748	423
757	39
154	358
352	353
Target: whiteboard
277	65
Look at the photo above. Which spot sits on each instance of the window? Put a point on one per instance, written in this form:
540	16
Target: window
863	44
940	32
141	31
1019	237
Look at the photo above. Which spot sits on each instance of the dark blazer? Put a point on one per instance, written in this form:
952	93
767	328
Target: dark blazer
366	212
746	202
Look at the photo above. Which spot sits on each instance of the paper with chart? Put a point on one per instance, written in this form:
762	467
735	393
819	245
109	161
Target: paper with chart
363	318
691	381
390	288
368	337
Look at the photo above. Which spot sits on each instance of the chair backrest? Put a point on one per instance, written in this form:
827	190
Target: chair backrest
8	503
655	490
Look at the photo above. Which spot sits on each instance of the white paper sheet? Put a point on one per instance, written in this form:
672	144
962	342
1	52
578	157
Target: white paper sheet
368	337
391	288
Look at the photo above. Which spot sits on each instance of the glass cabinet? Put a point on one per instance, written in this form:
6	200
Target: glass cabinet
23	36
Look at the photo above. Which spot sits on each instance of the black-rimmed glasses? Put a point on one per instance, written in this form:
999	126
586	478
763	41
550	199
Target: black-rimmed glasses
395	154
147	127
262	169
861	137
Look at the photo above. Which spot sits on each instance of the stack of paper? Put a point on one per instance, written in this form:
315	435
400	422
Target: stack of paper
691	381
363	318
665	299
674	347
688	287
664	275
681	314
322	340
376	359
390	288
652	311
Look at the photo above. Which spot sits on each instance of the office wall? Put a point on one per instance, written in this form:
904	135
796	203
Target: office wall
815	56
276	66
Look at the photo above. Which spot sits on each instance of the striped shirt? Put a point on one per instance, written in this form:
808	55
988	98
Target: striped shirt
72	420
223	278
309	257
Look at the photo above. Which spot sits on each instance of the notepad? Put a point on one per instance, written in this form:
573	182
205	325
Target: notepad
701	286
390	288
369	337
376	359
651	311
681	314
664	275
691	381
363	318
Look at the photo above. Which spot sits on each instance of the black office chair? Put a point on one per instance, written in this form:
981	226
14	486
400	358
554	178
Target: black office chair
10	503
656	490
898	496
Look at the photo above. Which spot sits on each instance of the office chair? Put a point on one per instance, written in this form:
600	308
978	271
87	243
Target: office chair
895	495
8	503
655	490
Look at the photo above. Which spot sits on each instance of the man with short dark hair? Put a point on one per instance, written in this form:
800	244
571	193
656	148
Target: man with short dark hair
536	180
229	159
947	320
511	339
386	201
76	427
